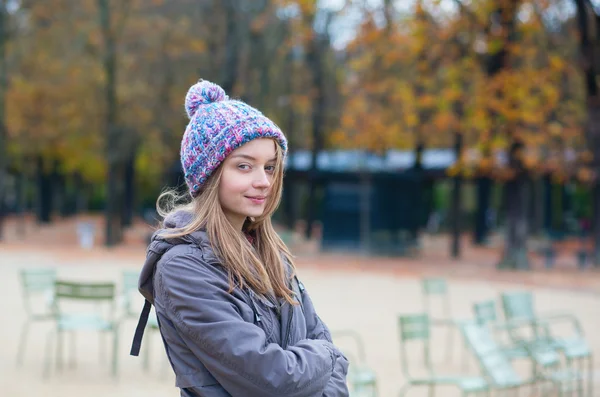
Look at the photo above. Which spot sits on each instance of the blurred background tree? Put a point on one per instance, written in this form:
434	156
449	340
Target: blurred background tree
91	95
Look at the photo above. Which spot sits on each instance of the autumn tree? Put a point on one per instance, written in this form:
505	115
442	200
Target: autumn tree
3	86
480	75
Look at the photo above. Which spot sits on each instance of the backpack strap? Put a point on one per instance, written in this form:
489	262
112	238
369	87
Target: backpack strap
139	330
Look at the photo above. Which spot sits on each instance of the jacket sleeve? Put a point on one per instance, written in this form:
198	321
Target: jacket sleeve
234	351
317	330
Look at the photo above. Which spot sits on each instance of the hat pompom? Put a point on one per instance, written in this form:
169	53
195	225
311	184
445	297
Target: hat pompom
203	93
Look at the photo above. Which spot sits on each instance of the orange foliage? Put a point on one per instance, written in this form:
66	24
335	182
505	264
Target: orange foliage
424	79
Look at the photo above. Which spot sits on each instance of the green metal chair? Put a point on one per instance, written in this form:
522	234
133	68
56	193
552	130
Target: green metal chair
433	287
486	314
494	360
36	285
417	328
362	379
519	305
95	319
546	364
540	356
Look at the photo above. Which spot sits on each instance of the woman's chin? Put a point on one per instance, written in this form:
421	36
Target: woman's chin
255	213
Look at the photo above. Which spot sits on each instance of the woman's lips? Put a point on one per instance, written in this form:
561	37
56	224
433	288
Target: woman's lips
257	199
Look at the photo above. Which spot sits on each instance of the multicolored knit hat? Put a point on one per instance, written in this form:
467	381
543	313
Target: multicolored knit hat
218	125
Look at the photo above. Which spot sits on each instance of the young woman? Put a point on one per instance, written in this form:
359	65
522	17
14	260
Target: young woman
234	318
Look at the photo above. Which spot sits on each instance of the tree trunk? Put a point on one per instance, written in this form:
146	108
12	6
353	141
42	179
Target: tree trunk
588	22
596	223
129	194
113	232
315	62
81	191
547	203
515	245
289	198
417	201
455	207
72	192
60	192
484	192
594	133
113	205
504	19
3	132
536	207
44	193
21	202
229	68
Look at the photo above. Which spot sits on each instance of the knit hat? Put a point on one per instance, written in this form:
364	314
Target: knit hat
218	125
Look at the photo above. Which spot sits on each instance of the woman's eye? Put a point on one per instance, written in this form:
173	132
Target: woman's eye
270	168
244	167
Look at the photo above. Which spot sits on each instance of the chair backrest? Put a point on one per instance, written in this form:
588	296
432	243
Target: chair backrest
84	291
518	305
130	286
414	327
434	286
130	280
492	359
38	280
485	312
95	299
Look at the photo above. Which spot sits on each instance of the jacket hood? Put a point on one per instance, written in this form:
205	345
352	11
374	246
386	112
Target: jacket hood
160	245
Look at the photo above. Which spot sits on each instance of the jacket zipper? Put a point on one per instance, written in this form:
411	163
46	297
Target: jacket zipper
289	325
254	309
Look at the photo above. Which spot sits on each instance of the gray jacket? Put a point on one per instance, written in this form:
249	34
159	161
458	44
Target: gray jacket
223	344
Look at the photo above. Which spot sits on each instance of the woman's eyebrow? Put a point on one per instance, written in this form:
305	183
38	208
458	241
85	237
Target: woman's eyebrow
248	157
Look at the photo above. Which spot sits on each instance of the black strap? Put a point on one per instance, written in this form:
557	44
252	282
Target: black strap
139	330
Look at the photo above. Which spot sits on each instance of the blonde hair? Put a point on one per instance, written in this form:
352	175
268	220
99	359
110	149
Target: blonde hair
260	267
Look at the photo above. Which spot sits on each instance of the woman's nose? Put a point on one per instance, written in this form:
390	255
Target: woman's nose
262	180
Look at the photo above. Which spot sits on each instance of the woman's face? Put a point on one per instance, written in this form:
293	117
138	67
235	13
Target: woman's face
246	180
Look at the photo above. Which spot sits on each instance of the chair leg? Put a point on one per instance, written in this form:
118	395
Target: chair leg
581	378
22	342
101	347
465	356
73	348
48	354
450	344
115	352
59	349
591	376
431	391
146	359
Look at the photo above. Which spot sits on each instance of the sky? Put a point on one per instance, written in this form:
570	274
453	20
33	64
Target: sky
344	27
